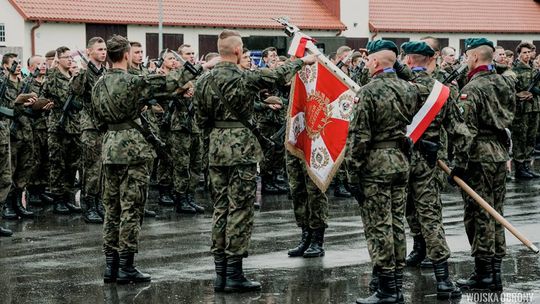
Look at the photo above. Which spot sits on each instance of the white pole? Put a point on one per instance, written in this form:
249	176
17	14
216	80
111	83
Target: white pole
160	41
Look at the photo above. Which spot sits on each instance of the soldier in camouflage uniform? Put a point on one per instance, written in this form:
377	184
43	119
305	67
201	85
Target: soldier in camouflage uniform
424	203
5	160
40	176
233	154
21	145
91	136
487	103
379	167
64	140
118	98
527	117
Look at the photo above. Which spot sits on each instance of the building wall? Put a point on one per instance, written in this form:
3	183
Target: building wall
50	36
15	29
355	15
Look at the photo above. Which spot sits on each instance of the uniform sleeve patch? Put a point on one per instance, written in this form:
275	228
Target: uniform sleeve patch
463	96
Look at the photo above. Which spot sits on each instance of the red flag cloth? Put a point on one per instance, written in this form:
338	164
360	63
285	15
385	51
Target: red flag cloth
318	119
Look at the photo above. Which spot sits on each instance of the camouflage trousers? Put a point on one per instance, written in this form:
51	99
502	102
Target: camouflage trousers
165	164
310	204
91	162
186	160
424	208
5	174
40	175
486	235
64	158
524	130
383	215
124	195
22	162
273	162
233	191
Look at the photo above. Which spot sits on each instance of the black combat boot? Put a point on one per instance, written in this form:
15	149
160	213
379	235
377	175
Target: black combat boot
521	172
127	273
9	211
497	280
305	240
59	205
267	185
482	277
315	248
235	280
149	213
165	198
112	261
399	286
530	170
221	273
386	291
19	208
445	288
374	282
418	254
90	214
45	196
340	190
33	197
5	231
192	203
182	205
70	203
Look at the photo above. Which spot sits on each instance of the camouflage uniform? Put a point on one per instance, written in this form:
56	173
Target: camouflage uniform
5	159
64	143
310	204
40	176
233	150
487	103
424	205
91	137
379	167
22	160
527	118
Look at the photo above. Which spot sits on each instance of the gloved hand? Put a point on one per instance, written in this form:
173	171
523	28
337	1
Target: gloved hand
429	151
358	193
459	172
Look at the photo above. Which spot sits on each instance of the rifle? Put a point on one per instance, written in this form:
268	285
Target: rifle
344	60
159	146
159	63
276	138
11	70
90	64
66	109
455	74
534	82
25	90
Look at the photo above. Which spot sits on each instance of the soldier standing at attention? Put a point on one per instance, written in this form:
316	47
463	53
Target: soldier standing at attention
487	103
91	136
64	137
424	199
527	114
117	99
379	168
224	98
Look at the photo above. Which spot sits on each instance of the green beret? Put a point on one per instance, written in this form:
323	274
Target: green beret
472	43
417	47
381	45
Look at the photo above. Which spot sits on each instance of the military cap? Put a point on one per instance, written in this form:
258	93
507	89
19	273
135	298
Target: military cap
472	43
417	47
381	45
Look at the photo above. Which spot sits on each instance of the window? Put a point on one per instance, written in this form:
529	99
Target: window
170	41
2	33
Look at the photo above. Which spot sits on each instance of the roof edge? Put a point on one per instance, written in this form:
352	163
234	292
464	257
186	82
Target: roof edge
19	9
450	31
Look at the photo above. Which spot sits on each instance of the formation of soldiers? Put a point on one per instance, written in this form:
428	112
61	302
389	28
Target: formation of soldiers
107	130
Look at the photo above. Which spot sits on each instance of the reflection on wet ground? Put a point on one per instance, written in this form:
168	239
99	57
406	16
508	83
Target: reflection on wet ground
56	259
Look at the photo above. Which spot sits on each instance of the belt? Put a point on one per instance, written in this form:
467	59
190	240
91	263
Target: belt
122	126
225	124
389	144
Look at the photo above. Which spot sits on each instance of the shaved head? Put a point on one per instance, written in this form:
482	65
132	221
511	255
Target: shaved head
230	43
482	55
417	60
381	60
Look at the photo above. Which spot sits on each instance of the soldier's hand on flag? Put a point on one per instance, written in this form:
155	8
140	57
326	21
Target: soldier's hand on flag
309	59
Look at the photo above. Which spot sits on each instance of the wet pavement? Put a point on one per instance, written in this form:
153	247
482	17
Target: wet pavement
58	259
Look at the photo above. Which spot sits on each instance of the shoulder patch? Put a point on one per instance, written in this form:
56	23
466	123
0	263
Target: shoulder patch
463	96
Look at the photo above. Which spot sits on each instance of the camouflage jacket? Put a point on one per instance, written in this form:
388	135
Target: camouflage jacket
448	120
23	123
524	75
183	114
234	146
266	116
118	98
386	106
40	122
4	122
57	88
487	103
82	85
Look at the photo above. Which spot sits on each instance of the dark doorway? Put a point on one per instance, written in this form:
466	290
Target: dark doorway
207	44
356	43
170	41
105	31
509	44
